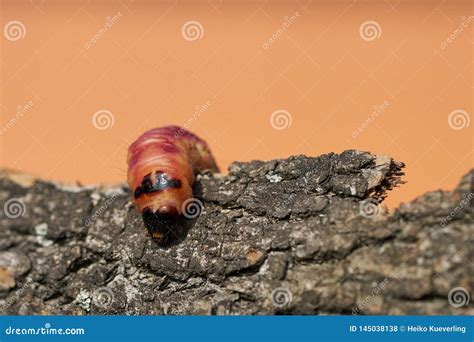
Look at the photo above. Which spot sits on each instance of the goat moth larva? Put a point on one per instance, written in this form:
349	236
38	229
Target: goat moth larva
162	166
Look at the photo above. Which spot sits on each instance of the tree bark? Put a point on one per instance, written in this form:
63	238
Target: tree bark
294	236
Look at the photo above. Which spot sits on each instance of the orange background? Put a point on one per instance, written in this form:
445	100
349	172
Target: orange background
319	69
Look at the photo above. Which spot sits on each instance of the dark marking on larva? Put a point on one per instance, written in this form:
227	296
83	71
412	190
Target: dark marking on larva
138	192
161	223
147	185
162	182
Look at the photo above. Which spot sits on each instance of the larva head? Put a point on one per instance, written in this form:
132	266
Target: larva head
158	196
161	223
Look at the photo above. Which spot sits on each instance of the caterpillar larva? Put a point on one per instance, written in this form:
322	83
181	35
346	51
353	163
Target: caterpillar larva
162	164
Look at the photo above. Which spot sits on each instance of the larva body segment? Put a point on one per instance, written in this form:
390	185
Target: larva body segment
162	164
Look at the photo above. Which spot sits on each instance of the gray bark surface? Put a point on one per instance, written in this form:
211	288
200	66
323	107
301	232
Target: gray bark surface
293	236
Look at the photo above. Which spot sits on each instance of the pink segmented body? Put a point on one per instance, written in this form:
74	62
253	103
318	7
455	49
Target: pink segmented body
162	166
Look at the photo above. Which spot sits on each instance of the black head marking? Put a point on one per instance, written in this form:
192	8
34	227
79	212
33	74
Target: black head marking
147	184
162	182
